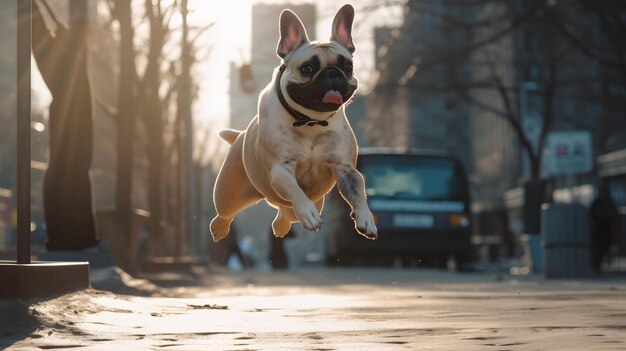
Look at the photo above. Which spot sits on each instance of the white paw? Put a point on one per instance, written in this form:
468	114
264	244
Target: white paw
364	224
308	216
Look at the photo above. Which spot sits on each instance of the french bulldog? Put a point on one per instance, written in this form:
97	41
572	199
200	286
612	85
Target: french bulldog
300	143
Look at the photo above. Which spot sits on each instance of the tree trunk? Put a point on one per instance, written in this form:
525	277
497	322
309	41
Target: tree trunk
152	115
184	131
62	61
125	119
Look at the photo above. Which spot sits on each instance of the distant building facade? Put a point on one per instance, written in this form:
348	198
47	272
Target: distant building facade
495	146
409	107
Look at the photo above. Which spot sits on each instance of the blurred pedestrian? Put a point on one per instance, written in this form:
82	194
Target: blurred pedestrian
602	214
509	240
278	256
220	252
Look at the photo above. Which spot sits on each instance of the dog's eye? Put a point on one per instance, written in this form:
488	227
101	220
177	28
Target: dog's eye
307	69
348	67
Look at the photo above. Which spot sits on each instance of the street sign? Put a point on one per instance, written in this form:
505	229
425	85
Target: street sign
569	152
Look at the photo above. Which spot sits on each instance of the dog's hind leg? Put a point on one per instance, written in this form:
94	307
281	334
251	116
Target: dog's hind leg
282	222
233	191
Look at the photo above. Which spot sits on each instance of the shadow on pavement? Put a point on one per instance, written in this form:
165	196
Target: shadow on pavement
16	322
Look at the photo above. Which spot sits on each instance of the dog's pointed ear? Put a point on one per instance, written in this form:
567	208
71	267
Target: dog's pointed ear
342	27
292	33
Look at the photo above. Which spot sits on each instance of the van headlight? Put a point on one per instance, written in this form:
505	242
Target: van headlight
459	220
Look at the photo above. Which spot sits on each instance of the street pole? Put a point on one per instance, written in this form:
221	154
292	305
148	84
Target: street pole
24	37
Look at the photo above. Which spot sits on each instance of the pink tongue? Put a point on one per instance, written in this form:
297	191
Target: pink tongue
333	97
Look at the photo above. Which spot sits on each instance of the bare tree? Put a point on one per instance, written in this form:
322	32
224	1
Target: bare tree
602	40
125	118
158	88
62	59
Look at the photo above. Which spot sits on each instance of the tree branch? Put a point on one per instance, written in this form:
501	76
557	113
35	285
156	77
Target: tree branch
513	119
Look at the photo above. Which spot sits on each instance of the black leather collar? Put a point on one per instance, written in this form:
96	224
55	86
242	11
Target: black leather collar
301	118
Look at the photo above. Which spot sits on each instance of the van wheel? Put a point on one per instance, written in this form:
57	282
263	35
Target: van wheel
331	261
440	261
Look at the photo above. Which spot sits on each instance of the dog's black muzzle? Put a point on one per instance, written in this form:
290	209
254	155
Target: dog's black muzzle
314	94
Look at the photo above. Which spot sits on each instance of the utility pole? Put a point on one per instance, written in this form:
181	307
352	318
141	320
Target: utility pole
24	40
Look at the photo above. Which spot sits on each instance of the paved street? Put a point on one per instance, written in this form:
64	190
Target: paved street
319	309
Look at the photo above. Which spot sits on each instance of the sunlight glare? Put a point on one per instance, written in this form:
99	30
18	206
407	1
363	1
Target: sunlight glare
226	41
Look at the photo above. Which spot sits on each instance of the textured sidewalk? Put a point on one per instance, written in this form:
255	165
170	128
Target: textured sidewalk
346	309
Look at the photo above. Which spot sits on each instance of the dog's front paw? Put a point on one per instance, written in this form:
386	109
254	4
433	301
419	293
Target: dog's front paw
308	216
364	224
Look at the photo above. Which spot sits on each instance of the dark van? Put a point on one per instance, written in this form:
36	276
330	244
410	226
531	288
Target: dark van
421	206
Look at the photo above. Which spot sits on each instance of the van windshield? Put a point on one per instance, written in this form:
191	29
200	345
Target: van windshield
413	177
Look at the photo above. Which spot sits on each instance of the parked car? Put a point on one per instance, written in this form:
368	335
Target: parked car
421	205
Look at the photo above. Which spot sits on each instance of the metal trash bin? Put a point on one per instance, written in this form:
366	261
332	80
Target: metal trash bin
565	230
